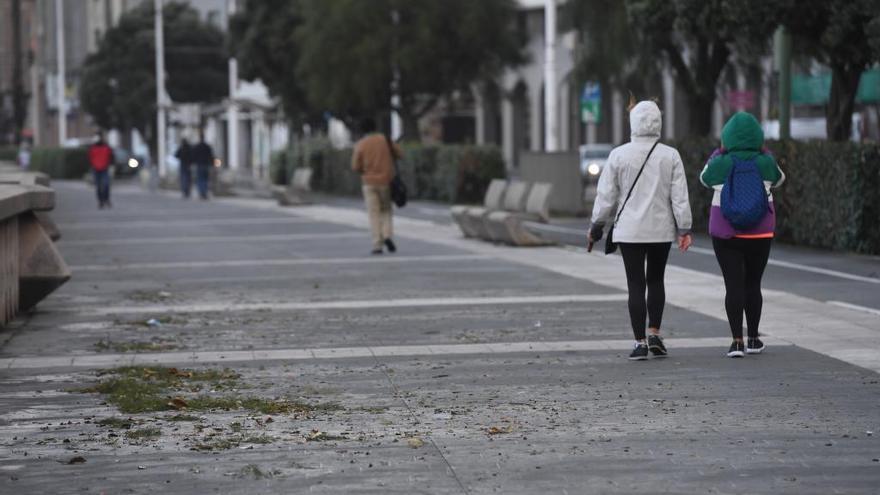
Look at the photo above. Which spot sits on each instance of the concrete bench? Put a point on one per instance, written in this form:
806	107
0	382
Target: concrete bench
299	190
509	226
30	265
470	218
514	199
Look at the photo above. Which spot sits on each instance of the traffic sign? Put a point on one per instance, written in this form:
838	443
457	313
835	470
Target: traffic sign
591	103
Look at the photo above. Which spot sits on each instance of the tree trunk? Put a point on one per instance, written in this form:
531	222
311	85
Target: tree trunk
841	102
700	113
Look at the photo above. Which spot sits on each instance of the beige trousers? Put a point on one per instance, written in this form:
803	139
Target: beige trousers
378	200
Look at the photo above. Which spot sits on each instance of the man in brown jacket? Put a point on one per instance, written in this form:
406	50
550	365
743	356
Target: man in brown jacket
372	159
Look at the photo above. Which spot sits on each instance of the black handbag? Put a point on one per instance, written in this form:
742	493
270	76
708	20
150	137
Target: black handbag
610	245
397	186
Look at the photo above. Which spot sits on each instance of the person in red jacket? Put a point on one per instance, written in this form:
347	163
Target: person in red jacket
101	157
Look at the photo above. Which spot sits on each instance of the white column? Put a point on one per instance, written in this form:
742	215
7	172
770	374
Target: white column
479	116
507	133
160	87
564	116
60	80
551	119
232	108
668	105
535	116
617	117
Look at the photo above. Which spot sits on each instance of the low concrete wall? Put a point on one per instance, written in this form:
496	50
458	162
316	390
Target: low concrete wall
30	265
562	170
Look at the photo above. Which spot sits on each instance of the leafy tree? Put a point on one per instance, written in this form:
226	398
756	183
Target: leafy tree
263	41
697	37
845	36
609	49
119	83
349	51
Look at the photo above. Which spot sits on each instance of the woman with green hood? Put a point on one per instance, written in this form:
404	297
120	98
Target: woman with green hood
742	222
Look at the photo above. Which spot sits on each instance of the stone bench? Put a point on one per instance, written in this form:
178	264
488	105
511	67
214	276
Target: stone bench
30	265
470	218
299	190
509	226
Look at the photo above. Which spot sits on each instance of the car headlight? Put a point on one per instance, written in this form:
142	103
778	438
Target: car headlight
594	169
132	163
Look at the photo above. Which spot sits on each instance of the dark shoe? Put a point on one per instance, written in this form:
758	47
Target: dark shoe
390	245
639	353
655	343
754	346
736	349
376	251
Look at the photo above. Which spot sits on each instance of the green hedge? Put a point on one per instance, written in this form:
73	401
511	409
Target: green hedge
447	173
830	198
8	153
61	163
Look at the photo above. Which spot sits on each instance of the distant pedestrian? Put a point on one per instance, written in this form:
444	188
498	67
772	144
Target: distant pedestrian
742	221
24	155
184	156
373	158
203	157
644	182
100	158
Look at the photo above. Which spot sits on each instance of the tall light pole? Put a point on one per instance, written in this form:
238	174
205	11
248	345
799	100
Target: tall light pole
60	80
551	122
160	87
232	109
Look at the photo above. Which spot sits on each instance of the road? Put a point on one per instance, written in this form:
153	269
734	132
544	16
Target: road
233	346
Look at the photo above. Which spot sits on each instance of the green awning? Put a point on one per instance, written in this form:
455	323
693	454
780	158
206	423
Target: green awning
814	90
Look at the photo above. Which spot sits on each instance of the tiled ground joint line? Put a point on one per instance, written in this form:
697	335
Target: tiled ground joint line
362	304
211	357
278	262
207	239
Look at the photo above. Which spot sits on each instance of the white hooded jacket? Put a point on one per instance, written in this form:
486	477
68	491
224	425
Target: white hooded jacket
658	209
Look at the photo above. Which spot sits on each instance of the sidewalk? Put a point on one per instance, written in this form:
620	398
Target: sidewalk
284	359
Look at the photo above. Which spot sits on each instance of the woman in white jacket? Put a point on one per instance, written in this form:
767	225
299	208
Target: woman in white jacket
657	213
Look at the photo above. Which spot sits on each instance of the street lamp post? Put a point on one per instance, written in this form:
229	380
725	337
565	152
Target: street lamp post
160	88
551	122
60	80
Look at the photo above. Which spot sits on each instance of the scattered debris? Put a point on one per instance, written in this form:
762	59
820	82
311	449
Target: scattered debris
415	442
77	460
152	322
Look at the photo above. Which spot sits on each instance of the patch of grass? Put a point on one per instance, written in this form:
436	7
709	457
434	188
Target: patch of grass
236	427
138	389
144	434
119	423
253	471
155	345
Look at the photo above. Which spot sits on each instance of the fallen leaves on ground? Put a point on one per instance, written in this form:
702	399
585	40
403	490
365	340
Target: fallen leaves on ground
415	442
178	403
77	460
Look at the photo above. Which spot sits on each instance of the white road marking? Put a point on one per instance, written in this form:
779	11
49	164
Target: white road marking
710	252
279	262
208	239
182	223
363	304
856	307
496	348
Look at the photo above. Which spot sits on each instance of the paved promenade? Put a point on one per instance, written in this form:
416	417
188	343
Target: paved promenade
233	346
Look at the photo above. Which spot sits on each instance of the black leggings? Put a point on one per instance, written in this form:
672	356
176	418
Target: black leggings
638	278
742	264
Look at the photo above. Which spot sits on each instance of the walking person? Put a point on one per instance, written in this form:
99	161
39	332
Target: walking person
644	182
373	158
100	158
203	157
184	156
742	221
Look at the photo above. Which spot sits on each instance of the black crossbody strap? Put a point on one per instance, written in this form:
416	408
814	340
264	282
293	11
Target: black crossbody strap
634	182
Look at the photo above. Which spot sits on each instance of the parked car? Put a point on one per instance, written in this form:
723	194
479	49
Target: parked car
593	158
125	163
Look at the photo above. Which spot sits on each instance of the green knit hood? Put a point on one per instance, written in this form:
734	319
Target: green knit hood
742	133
